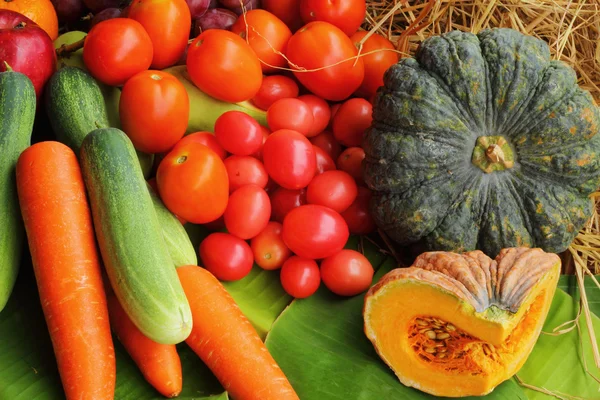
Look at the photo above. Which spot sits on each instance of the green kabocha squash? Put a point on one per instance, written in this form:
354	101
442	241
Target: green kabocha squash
482	142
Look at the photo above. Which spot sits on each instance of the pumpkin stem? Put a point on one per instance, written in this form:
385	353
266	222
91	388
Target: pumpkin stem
492	153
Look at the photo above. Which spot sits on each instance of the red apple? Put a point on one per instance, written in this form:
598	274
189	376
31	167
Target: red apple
26	48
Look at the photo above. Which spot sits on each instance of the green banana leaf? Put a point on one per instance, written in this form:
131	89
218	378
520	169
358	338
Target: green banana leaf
569	284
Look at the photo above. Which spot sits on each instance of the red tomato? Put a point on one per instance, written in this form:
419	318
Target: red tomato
154	110
334	109
351	161
227	257
351	121
245	170
273	88
291	114
348	15
117	49
206	138
286	10
324	162
224	66
267	35
320	45
265	135
268	247
375	63
154	187
357	216
192	182
168	24
248	211
320	111
289	159
334	189
238	133
300	277
314	231
285	200
347	273
327	142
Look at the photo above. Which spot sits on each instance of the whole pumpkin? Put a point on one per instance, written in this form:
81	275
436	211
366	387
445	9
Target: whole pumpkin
482	142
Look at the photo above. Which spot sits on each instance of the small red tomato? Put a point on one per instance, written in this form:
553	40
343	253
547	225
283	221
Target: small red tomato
347	273
300	277
245	170
314	231
289	159
324	162
238	133
248	211
376	63
348	15
351	161
357	216
227	257
265	133
291	114
206	138
268	247
334	189
273	88
351	121
326	141
285	200
320	111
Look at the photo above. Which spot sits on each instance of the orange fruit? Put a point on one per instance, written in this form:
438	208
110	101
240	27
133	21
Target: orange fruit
41	12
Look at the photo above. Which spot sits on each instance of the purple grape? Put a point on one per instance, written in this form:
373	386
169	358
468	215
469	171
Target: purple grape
108	13
68	10
98	5
217	18
198	7
248	5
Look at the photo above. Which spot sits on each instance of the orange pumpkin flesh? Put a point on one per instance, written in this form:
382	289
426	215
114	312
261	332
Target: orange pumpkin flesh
460	324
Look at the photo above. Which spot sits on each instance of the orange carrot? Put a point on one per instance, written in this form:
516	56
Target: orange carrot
67	269
159	363
228	344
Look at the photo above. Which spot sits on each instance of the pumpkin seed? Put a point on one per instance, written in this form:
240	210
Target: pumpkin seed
450	327
421	322
431	334
430	350
441	355
442	350
442	336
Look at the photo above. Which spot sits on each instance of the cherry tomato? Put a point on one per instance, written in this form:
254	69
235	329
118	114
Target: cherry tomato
348	15
320	45
206	138
117	49
321	113
227	257
267	35
375	63
351	121
327	143
286	10
347	273
245	170
314	231
289	159
168	24
268	247
324	162
351	161
273	88
192	182
248	211
357	216
291	114
224	66
238	133
300	277
154	110
265	135
334	189
285	200
334	109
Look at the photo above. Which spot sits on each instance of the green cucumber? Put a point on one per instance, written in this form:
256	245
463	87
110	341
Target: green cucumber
17	113
130	238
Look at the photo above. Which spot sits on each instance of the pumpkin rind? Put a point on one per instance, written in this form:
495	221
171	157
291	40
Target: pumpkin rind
426	122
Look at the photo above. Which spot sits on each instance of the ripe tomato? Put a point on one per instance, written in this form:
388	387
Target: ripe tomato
351	161
285	200
327	143
375	63
314	231
268	247
351	121
192	182
291	114
248	211
324	162
206	138
154	110
321	45
265	135
347	273
300	277
168	24
238	133
224	66
227	257
321	113
267	35
273	88
348	15
116	49
286	10
289	159
357	216
245	170
334	189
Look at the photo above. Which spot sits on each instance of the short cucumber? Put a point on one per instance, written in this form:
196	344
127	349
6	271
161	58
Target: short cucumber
130	238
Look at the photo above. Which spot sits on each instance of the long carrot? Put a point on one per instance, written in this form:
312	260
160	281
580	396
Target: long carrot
228	344
67	269
159	363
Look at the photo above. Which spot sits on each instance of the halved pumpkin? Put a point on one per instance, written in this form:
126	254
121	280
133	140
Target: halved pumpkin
460	324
